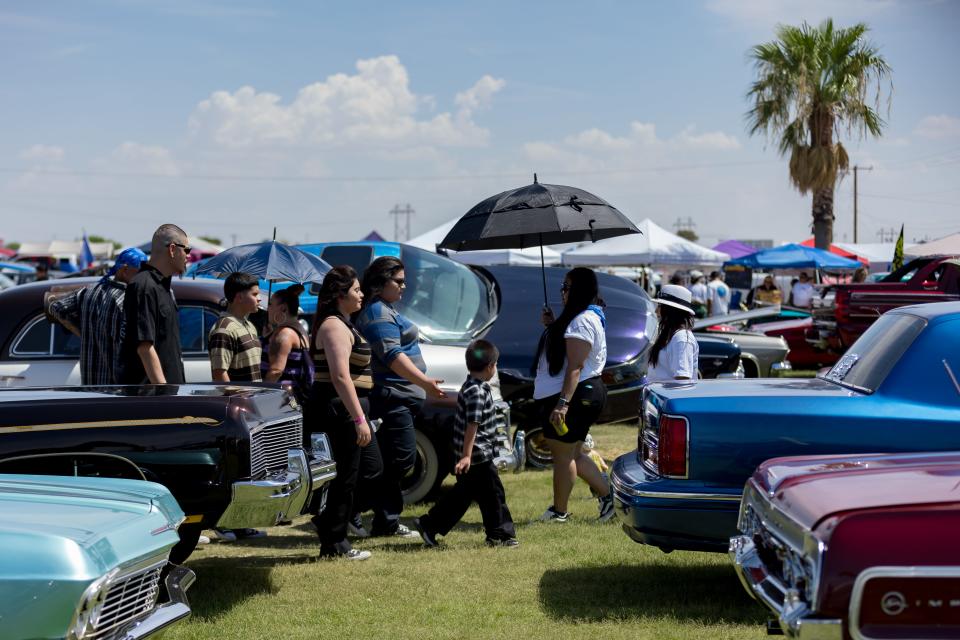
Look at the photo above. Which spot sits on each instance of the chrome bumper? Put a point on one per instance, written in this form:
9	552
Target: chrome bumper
778	367
178	581
283	495
796	619
511	458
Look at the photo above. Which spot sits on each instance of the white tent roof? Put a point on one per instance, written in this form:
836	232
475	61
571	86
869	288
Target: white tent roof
946	245
655	246
65	248
529	256
878	254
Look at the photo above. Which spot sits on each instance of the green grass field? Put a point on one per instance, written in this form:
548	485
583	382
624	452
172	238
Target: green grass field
575	580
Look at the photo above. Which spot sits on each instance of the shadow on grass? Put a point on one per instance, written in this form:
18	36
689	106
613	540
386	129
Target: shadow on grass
225	583
704	594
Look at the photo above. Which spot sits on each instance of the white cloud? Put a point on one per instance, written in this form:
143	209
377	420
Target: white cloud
43	153
710	140
938	127
598	139
134	157
643	135
766	13
374	107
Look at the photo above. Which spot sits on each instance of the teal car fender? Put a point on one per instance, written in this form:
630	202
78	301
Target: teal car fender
84	557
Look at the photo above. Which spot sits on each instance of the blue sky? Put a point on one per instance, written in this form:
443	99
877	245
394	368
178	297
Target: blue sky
230	118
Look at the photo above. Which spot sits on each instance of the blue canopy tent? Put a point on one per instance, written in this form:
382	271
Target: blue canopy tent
793	256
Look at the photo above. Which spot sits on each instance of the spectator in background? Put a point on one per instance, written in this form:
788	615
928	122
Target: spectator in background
860	275
767	293
285	346
718	296
699	293
151	343
802	292
95	314
43	272
675	353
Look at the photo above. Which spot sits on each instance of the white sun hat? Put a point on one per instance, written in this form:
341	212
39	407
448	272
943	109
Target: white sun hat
673	295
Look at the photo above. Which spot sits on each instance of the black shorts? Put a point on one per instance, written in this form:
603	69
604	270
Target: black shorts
585	407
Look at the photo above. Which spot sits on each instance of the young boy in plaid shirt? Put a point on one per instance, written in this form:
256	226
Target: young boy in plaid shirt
473	440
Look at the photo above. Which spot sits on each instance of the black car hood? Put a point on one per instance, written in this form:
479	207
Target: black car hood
517	329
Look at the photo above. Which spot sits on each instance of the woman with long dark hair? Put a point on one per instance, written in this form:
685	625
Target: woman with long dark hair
675	352
338	404
400	385
286	347
570	394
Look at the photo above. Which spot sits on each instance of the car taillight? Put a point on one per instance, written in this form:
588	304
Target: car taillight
672	446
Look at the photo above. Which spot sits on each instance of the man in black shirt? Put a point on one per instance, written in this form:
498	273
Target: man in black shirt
151	346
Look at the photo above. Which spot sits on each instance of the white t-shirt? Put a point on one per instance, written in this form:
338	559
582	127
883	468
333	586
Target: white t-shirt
719	296
802	294
699	292
680	358
585	326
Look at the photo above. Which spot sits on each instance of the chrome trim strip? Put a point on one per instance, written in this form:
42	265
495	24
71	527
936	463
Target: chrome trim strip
672	495
856	598
956	385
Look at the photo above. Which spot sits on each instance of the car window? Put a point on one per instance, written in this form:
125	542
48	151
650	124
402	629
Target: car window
950	279
65	343
34	339
446	299
356	257
195	326
872	357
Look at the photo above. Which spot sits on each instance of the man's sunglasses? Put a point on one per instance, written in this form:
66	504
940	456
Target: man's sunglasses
186	248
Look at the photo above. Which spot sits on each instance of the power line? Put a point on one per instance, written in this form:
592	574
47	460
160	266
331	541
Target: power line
906	199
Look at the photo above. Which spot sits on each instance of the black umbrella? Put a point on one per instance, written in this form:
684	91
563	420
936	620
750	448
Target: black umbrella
537	214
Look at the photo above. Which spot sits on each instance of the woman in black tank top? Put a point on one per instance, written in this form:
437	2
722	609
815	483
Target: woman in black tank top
338	403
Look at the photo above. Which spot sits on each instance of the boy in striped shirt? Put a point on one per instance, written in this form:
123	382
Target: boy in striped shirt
474	430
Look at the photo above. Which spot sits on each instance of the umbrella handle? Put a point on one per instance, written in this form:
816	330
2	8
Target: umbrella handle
543	273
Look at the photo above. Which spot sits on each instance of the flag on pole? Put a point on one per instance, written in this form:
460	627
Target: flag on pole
86	255
898	253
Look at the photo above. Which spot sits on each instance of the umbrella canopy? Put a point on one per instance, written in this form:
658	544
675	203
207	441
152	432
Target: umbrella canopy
537	214
794	256
273	261
735	248
530	256
655	246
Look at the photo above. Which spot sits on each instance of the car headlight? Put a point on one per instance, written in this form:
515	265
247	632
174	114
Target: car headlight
87	614
321	446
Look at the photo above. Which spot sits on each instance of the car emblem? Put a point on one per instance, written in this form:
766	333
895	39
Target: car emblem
893	603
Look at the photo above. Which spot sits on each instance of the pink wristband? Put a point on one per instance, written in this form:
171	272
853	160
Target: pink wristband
360	420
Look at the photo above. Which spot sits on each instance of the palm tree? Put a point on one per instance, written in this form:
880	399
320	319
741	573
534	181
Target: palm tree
811	81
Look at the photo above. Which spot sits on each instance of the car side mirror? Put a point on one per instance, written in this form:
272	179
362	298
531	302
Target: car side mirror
930	285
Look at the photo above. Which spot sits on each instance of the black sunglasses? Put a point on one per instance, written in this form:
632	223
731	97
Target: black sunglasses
186	248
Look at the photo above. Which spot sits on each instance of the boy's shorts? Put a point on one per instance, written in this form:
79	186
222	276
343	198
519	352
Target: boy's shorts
585	407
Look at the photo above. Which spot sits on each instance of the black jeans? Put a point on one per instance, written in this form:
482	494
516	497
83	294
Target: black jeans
397	441
481	484
328	415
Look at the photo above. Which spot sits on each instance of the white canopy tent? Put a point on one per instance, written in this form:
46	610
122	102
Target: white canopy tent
879	255
655	246
521	257
948	245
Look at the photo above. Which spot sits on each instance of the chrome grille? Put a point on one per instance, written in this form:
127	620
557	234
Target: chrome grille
127	598
269	444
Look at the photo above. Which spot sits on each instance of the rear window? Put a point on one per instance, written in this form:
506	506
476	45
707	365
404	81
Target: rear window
871	358
357	257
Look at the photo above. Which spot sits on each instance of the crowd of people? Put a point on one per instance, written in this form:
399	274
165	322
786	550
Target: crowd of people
361	379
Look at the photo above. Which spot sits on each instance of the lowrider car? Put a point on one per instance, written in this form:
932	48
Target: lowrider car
233	457
895	390
854	547
86	558
35	352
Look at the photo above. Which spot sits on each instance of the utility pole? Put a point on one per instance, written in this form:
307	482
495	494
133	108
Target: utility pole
855	169
684	225
397	212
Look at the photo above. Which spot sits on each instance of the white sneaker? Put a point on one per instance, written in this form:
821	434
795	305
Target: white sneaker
606	508
551	515
356	554
203	540
225	535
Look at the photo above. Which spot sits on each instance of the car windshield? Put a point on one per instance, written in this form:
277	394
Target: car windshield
447	300
871	358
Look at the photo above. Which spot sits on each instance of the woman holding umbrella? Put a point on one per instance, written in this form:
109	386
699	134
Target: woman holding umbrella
570	394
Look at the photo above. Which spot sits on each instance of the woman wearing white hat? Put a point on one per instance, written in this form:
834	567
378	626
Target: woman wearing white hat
675	352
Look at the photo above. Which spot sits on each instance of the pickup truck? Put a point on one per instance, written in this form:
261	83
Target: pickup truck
857	306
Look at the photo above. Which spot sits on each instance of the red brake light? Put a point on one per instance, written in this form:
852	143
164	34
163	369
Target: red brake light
841	306
672	458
